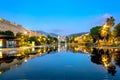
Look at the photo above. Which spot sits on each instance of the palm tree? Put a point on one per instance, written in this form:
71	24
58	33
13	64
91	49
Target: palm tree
110	21
105	30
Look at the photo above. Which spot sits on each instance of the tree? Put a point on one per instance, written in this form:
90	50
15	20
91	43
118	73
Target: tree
67	39
73	39
9	33
116	30
110	21
95	33
51	40
19	35
1	32
105	30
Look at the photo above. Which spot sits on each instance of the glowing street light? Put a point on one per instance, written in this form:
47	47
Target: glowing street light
25	32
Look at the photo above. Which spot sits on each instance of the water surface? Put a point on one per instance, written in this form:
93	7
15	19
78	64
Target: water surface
60	63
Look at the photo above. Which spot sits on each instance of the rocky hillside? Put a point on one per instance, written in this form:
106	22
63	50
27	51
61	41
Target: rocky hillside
7	25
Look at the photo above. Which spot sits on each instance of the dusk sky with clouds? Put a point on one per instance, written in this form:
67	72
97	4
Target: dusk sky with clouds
59	16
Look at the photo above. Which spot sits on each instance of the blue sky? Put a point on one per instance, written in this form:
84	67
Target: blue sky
59	16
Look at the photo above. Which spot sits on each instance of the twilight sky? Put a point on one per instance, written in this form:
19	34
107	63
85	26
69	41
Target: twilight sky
59	16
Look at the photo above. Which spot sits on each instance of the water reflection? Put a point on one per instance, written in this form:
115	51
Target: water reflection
79	48
13	58
109	58
106	58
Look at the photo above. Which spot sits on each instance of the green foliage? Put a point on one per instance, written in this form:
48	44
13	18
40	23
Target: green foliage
19	35
8	33
67	39
51	40
105	32
43	40
110	21
35	39
1	32
95	33
72	40
117	30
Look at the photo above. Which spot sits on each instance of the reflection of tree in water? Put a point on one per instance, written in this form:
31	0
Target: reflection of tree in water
79	49
111	69
96	56
117	59
100	56
52	49
103	57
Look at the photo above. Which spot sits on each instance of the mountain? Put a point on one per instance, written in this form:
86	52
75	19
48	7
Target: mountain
16	28
53	35
42	32
7	25
50	34
78	34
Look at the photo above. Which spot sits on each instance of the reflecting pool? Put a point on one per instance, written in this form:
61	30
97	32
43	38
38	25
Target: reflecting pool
61	62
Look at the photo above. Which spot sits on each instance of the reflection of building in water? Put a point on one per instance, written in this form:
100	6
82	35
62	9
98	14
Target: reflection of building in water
1	56
62	47
61	39
109	58
11	59
33	49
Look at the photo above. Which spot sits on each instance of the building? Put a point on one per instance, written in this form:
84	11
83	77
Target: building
8	41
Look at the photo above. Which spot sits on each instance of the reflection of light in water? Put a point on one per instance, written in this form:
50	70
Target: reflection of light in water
48	49
58	47
65	45
105	61
16	65
54	47
25	60
40	53
1	72
76	49
1	56
44	50
33	49
61	47
18	54
106	65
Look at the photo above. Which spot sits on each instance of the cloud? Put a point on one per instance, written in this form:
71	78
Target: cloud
105	16
101	20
